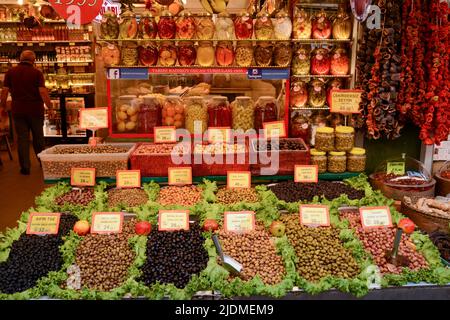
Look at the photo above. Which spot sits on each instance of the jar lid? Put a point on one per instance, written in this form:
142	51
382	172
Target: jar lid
147	14
344	129
316	152
220	98
358	151
325	130
337	153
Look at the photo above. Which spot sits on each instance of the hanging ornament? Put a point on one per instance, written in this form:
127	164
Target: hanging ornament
360	9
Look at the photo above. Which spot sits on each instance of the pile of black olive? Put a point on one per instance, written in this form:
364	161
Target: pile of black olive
290	191
280	145
173	257
33	257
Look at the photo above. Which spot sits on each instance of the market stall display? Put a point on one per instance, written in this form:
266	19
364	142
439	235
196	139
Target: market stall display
232	196
127	198
180	195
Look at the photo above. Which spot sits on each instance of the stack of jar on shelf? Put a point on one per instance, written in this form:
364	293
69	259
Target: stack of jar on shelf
141	114
56	33
342	154
73	53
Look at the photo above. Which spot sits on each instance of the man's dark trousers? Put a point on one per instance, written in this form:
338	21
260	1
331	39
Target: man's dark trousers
24	124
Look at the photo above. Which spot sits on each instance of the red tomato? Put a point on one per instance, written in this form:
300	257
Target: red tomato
407	225
210	225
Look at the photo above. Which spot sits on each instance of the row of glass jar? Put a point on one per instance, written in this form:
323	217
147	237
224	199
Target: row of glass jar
339	161
340	139
205	54
314	94
320	61
142	114
203	27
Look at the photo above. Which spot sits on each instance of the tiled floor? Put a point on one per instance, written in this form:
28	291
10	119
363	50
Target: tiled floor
17	192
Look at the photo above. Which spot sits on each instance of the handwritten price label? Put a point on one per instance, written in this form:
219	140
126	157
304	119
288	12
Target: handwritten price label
82	177
94	118
345	101
219	134
239	222
397	168
128	178
314	215
306	173
375	217
173	220
107	222
165	134
180	176
43	223
274	129
239	179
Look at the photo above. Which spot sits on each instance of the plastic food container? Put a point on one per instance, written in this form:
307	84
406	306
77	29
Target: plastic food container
148	28
344	138
56	166
243	113
324	139
205	54
204	27
109	27
356	160
186	53
219	112
243	26
128	27
196	110
320	159
266	110
244	54
264	27
173	112
337	161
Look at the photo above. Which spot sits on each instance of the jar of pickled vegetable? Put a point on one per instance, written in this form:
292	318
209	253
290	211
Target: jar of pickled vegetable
129	54
301	61
224	53
320	62
243	26
111	55
301	127
196	111
243	113
126	113
282	26
266	110
317	94
204	27
244	54
337	162
299	94
264	27
186	53
356	160
128	28
319	158
340	62
149	115
167	54
148	55
321	26
148	28
219	112
324	139
282	54
342	24
224	27
205	54
109	27
345	138
263	54
185	26
173	112
318	120
302	25
333	84
167	27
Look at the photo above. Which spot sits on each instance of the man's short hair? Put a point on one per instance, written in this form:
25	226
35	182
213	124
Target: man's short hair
27	56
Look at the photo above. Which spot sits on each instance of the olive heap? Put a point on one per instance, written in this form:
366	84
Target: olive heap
232	196
128	197
256	252
104	259
290	191
282	145
379	240
319	250
173	257
33	257
76	197
184	196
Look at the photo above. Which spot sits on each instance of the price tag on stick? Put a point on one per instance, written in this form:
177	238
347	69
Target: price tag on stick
314	215
239	179
107	222
239	222
396	167
219	135
94	118
128	178
345	101
306	173
375	217
180	176
173	220
43	223
274	129
82	177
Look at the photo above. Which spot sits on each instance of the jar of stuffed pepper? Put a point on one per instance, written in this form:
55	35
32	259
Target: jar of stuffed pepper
317	94
356	160
167	54
148	28
264	27
173	112
128	28
282	26
149	115
243	113
298	94
224	53
196	111
148	54
224	27
345	138
302	25
263	54
129	54
185	26
167	28
282	54
244	53
301	63
266	110
109	27
320	159
205	27
320	62
186	53
243	26
219	112
324	139
205	53
321	26
340	62
337	162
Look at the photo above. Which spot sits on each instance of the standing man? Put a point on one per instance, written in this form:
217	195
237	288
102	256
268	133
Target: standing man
28	93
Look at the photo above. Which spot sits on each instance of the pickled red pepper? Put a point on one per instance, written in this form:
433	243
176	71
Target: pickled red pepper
219	116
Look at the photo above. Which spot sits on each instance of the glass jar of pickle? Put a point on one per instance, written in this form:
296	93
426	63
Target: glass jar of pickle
185	26
167	54
321	26
302	25
224	27
263	54
128	28
356	160
320	62
219	112
333	84
149	114
129	54
111	55
340	62
126	113
317	94
318	120
299	94
337	162
186	53
264	27
244	54
205	54
148	28
282	54
345	138
319	158
301	61
301	127
109	27
266	110
224	53
204	27
282	26
243	26
148	54
167	27
342	24
173	112
243	113
196	111
324	139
